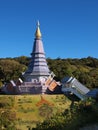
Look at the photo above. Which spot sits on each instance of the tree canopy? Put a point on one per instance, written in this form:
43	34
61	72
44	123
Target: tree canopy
84	69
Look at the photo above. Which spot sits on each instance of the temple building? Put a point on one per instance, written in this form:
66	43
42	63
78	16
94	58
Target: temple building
38	79
72	86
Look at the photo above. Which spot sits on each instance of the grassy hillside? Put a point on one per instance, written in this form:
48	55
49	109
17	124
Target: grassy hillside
32	109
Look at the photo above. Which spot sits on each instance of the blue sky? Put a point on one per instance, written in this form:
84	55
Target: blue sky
69	27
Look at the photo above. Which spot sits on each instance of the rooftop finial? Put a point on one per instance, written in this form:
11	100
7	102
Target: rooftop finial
38	33
38	24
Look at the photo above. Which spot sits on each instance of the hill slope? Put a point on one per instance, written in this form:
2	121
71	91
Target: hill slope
31	109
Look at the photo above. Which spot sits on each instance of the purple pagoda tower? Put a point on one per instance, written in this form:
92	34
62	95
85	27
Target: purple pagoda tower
38	79
38	69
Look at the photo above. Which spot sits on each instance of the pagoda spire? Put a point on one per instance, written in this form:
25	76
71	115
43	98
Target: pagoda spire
38	67
38	32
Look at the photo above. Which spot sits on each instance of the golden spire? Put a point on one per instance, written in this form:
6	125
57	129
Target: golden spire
38	33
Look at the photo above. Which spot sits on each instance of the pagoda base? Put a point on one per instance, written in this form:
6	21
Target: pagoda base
26	88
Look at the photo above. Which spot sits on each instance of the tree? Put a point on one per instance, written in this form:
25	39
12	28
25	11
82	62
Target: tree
11	69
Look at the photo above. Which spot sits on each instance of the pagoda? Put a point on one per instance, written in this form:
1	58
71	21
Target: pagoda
38	69
38	79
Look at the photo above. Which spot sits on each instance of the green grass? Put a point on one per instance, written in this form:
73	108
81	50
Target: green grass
31	109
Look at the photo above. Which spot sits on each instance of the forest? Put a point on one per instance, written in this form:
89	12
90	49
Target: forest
84	69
